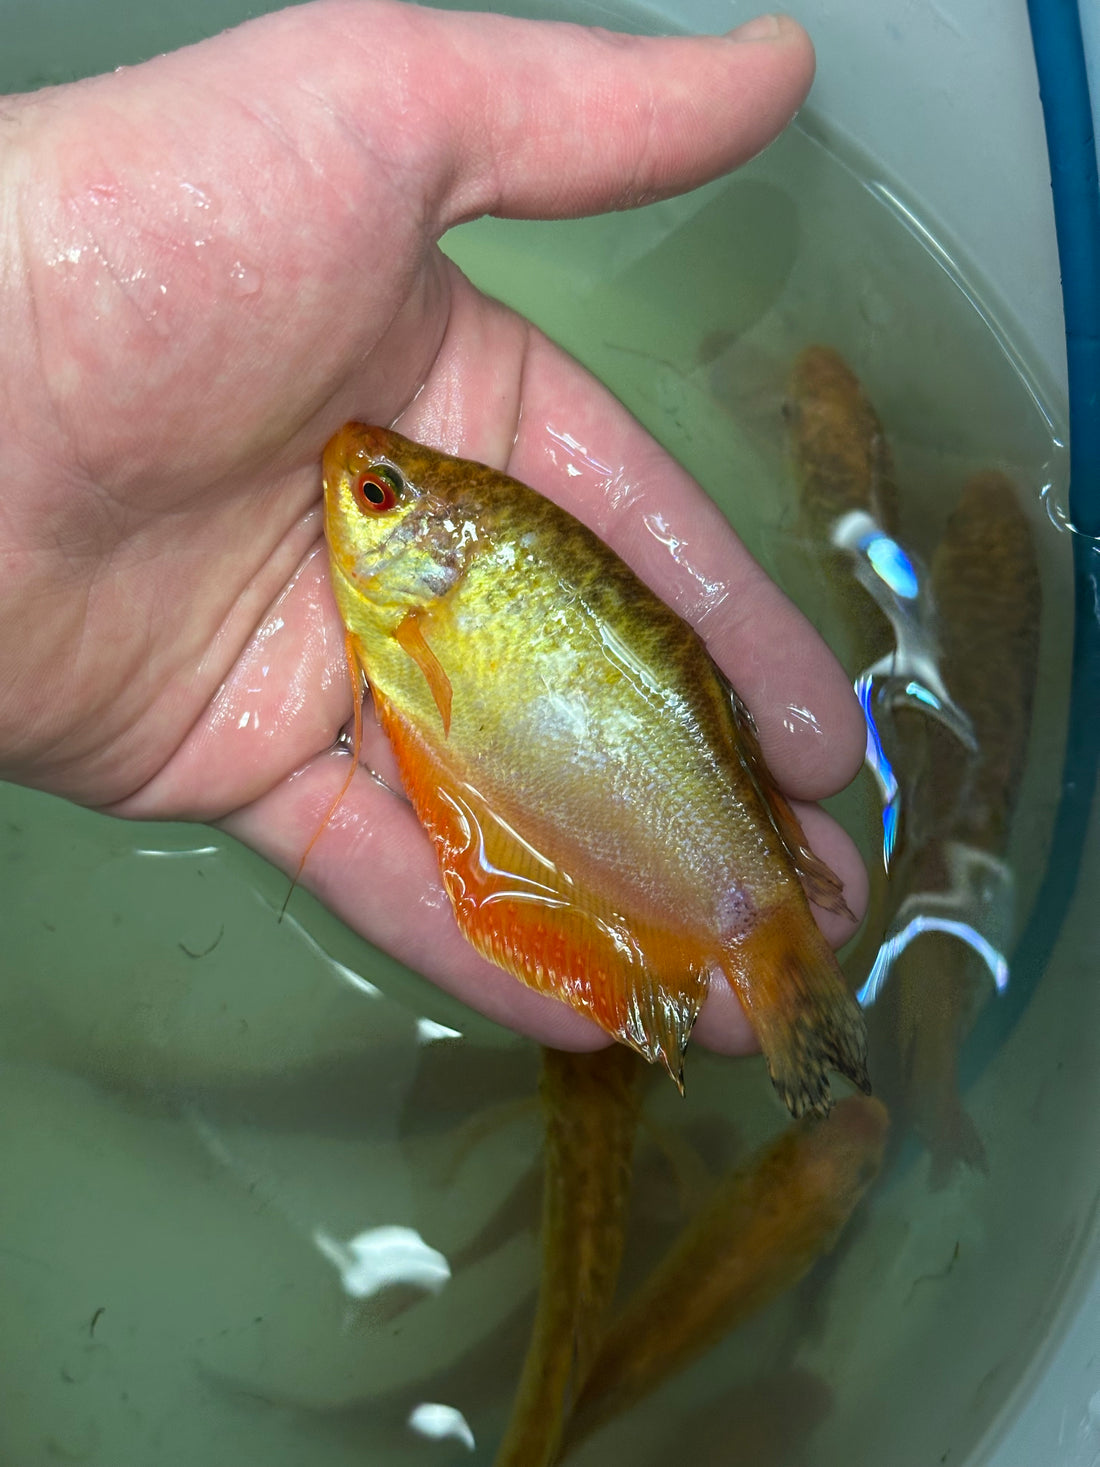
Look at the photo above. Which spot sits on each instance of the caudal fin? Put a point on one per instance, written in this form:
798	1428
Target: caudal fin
808	1023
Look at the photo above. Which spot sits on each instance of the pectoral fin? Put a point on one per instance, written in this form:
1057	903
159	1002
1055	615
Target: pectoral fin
410	638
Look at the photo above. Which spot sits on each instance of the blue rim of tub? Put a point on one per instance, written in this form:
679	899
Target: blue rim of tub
1068	114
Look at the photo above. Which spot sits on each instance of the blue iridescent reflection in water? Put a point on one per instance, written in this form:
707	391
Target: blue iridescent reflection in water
977	905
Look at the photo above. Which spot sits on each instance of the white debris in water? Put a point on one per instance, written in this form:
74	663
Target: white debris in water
428	1031
431	1419
379	1257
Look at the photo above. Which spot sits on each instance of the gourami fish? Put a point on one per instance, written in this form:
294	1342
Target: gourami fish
841	456
606	828
761	1231
848	517
591	1104
842	465
985	581
984	586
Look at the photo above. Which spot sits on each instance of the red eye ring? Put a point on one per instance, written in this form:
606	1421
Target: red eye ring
376	490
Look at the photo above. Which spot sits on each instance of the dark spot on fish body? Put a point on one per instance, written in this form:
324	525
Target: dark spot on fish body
438	579
736	915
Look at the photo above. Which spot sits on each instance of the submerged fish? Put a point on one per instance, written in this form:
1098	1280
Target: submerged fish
591	1103
762	1230
841	456
931	1000
985	580
848	519
605	824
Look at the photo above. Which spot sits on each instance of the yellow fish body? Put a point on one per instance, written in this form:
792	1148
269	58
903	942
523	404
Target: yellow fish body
605	825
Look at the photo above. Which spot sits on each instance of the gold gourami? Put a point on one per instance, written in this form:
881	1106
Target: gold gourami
605	825
591	1104
984	583
762	1230
841	456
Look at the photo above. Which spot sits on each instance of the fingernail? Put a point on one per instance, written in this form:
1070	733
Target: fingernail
762	28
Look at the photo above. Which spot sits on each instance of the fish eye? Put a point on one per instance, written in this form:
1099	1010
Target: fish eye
379	488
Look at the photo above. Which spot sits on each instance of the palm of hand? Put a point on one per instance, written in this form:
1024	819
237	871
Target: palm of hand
223	255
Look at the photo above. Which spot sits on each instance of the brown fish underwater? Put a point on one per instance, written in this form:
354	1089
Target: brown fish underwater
591	1103
762	1230
984	584
605	825
841	455
985	579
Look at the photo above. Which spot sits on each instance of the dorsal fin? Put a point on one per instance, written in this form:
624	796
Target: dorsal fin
822	885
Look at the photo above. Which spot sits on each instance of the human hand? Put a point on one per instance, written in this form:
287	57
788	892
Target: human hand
211	261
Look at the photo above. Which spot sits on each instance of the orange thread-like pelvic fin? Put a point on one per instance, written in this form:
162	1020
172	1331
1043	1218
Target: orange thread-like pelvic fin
357	743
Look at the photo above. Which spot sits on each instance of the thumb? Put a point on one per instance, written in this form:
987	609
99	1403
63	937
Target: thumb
552	120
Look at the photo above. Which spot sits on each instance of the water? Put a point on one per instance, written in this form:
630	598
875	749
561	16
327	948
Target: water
211	1117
